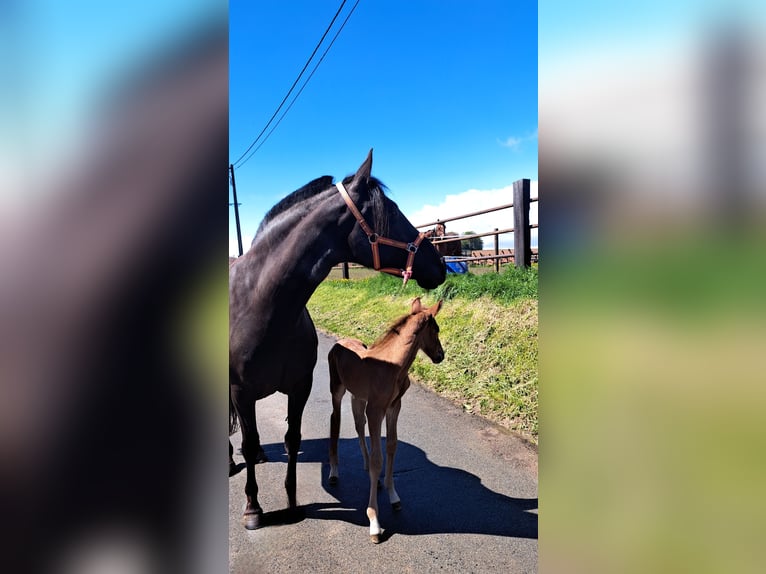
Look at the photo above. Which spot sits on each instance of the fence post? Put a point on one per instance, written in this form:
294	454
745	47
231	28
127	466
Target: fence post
522	247
497	252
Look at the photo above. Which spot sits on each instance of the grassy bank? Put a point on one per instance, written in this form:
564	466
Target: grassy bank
488	330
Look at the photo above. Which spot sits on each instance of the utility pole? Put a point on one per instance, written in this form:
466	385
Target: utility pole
236	208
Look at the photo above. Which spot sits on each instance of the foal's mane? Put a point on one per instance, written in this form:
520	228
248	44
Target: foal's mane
377	193
393	331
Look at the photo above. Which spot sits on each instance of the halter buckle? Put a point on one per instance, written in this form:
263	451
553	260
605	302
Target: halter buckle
412	248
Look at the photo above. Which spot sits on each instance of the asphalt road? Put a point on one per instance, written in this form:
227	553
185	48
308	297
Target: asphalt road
468	490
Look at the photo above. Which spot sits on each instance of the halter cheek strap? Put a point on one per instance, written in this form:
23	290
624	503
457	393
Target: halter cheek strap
375	239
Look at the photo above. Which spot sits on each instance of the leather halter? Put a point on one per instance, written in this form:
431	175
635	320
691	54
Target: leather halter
374	239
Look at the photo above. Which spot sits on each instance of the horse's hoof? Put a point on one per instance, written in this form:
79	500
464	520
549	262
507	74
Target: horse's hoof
397	506
232	468
375	538
252	521
261	457
333	480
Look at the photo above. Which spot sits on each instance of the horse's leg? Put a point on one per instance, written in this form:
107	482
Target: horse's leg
358	407
296	402
391	441
337	390
233	423
251	444
374	421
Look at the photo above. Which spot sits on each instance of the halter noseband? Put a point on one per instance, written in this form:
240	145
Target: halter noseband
374	238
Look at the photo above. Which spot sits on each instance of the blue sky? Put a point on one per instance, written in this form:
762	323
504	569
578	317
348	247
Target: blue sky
444	91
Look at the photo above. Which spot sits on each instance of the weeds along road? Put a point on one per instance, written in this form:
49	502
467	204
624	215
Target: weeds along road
468	490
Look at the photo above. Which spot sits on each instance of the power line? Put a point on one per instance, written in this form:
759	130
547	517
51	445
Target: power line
302	87
306	65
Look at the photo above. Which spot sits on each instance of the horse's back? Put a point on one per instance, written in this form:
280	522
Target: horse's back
354	345
346	355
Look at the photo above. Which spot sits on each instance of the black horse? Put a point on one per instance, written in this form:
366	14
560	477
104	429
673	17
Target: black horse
272	340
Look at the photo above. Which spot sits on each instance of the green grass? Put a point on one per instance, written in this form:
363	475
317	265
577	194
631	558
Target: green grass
488	330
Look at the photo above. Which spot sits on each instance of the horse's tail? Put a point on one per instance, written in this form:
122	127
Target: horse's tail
233	420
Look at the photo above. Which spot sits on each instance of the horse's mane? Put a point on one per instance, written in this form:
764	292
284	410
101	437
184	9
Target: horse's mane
308	190
377	193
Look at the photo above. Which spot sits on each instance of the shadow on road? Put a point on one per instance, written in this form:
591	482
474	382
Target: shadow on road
435	499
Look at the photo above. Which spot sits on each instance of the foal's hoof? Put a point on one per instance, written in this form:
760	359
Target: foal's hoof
332	481
375	538
397	506
252	521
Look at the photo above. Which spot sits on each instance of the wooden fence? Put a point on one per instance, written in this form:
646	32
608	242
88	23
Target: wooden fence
521	232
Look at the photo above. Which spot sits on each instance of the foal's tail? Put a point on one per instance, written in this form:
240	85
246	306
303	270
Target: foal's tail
233	420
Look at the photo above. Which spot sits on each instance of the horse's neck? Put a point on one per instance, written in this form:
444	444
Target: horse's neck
296	251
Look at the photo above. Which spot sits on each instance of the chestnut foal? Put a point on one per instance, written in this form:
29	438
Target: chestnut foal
377	379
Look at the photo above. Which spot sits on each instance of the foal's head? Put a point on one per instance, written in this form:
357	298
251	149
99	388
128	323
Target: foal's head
428	329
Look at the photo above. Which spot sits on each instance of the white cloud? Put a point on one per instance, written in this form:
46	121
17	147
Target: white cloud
511	142
515	142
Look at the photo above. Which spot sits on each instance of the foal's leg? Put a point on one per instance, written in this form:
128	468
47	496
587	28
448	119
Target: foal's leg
296	402
337	391
375	421
391	441
358	407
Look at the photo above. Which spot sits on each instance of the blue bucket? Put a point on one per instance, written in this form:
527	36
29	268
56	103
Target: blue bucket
456	266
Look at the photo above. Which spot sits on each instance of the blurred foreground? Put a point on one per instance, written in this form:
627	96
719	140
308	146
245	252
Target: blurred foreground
112	252
653	316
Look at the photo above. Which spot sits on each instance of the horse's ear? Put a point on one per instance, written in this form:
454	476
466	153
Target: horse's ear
436	308
416	306
365	170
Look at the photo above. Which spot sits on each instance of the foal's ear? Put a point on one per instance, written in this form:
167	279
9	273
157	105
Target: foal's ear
416	306
365	170
436	307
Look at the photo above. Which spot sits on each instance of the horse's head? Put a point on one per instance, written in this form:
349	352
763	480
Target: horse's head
428	334
385	239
